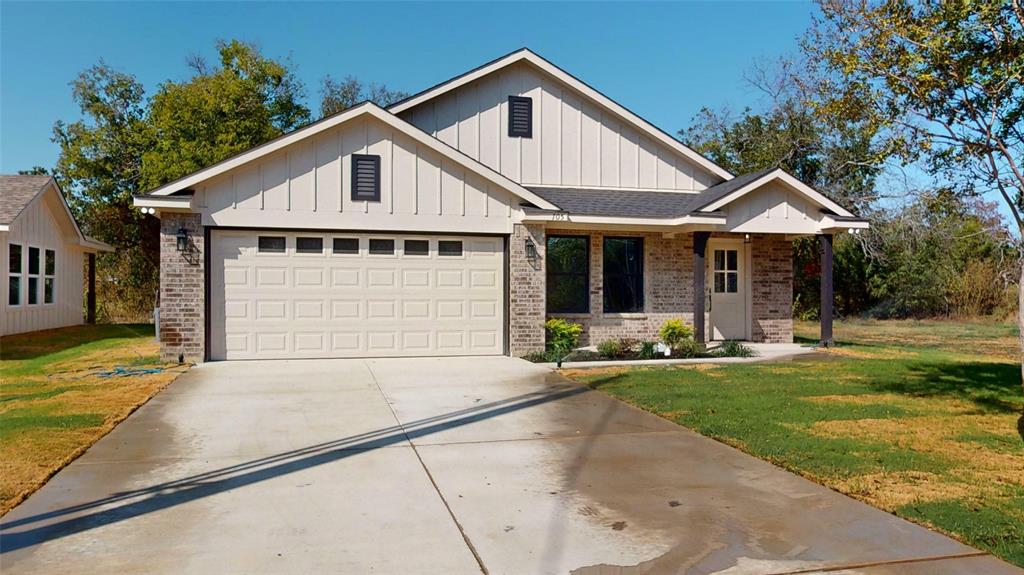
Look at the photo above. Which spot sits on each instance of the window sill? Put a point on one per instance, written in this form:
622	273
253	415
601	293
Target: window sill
571	315
627	315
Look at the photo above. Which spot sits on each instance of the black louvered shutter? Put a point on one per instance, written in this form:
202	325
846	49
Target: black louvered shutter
365	178
520	117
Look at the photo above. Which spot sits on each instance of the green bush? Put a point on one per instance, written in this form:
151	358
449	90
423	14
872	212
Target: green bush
687	349
674	332
733	348
611	348
648	350
562	335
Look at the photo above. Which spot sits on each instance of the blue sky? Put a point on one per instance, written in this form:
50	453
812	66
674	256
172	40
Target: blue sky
664	61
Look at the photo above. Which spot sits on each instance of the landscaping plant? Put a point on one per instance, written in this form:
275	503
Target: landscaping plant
674	332
562	337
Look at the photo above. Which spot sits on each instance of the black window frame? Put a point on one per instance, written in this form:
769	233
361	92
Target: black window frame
607	277
585	273
444	253
513	103
389	252
261	249
417	241
358	195
336	248
319	240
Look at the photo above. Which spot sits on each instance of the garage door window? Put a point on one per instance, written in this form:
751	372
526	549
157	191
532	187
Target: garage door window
346	246
309	245
379	247
271	245
449	248
416	247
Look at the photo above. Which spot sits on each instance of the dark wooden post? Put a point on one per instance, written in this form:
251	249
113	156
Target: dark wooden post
827	299
700	245
90	313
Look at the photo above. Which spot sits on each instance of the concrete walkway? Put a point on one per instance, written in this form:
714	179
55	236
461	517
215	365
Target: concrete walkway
488	465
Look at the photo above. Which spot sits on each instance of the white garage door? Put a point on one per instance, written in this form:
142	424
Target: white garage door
308	295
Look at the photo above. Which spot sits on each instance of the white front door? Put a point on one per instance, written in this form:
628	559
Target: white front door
726	280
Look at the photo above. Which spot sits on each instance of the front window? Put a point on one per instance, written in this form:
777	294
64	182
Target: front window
623	275
568	274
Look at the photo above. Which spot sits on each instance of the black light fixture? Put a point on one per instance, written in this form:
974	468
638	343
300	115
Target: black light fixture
182	239
531	250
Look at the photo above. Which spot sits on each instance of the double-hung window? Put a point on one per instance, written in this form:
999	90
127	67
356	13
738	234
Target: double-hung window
568	274
49	276
623	275
14	274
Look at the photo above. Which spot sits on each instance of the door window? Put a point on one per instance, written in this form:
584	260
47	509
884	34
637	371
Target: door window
726	271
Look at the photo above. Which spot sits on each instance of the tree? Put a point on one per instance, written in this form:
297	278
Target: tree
34	171
942	81
338	96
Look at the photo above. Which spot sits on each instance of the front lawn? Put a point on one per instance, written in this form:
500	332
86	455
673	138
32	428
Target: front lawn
62	389
922	419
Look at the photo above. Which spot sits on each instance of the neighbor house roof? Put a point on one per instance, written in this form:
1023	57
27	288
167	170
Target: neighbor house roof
17	192
525	55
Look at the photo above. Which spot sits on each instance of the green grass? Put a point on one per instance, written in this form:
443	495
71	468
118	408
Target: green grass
897	416
53	402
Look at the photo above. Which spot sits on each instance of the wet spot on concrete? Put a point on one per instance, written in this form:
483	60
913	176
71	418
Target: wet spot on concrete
509	528
619	525
674	503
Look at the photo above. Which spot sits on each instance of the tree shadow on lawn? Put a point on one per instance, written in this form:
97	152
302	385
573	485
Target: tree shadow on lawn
32	345
991	386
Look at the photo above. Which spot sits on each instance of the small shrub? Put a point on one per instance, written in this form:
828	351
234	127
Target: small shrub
629	344
733	348
610	348
648	350
674	332
687	349
563	336
536	357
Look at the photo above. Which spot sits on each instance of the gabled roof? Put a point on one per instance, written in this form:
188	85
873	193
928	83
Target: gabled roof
525	55
365	109
18	192
717	196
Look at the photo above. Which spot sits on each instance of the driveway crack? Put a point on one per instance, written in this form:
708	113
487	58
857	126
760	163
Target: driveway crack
430	476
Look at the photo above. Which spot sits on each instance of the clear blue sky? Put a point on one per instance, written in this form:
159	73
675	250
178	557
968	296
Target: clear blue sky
663	61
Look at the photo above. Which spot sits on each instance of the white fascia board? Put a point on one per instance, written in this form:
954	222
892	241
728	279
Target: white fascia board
5	228
93	245
369	109
163	202
561	217
829	223
792	182
576	84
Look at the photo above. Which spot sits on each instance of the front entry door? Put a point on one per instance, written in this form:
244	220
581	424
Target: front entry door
726	282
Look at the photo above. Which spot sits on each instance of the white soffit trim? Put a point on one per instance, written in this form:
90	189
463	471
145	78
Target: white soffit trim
561	217
576	84
163	202
367	109
787	179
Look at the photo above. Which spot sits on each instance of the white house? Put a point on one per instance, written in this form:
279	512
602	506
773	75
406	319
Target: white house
43	255
455	221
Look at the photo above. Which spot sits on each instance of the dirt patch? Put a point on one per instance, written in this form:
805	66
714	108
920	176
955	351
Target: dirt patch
871	353
592	372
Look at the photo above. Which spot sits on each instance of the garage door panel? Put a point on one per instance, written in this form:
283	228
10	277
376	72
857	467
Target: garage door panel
353	304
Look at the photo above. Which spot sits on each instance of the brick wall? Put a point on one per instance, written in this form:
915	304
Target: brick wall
772	284
182	289
527	299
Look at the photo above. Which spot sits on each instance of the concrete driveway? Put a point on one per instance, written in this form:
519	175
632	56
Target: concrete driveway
450	466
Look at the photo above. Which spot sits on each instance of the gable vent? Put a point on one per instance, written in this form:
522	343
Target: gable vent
365	178
520	117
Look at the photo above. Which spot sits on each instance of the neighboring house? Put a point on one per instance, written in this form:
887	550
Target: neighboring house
455	221
42	257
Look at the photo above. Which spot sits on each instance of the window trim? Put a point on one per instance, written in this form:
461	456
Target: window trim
52	277
376	177
641	273
586	274
20	274
512	101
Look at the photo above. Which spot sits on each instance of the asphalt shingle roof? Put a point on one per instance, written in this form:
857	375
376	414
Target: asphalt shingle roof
16	192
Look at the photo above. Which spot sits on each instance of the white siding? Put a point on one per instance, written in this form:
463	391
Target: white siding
574	143
308	185
37	227
773	208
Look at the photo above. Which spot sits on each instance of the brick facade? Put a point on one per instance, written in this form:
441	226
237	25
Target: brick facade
772	285
182	289
527	298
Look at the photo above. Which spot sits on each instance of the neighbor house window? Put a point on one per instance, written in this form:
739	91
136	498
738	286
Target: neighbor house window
33	276
271	245
520	117
50	275
623	275
568	274
449	248
309	245
346	246
416	247
14	275
365	178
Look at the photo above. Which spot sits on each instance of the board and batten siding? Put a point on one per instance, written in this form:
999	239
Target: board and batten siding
37	227
308	185
575	142
773	208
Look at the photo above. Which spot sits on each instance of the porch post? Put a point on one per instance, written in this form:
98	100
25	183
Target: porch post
90	313
700	244
827	300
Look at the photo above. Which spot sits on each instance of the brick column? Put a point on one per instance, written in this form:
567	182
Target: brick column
527	295
772	283
182	289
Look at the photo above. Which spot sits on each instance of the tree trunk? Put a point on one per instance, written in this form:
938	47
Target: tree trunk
1020	321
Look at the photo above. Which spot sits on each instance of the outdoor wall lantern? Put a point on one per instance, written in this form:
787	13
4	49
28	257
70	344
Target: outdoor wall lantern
182	239
531	250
